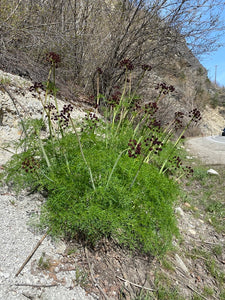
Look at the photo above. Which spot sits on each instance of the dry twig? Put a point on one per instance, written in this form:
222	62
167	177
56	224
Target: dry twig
36	285
137	285
32	253
193	290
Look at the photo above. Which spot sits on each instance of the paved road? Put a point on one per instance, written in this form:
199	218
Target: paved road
210	149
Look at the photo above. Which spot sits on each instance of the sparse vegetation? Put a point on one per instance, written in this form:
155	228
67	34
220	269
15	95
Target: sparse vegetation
165	288
43	262
209	201
214	100
208	291
81	278
5	81
209	197
71	251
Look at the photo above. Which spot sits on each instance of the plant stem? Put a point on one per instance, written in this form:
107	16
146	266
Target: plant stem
44	153
116	162
82	153
136	175
174	146
98	96
121	101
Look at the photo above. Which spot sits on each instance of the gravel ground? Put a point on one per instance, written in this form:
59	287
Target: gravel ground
17	242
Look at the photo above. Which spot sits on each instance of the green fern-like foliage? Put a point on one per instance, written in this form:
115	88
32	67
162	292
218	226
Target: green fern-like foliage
138	217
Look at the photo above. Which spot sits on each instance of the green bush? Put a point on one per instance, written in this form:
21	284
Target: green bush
114	179
140	217
214	100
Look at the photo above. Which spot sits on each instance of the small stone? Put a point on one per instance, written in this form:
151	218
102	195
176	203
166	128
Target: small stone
6	275
212	172
192	231
187	204
189	157
174	243
28	281
179	211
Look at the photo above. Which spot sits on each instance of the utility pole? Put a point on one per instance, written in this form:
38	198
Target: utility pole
215	72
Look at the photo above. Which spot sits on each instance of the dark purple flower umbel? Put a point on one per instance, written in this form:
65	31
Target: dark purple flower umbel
178	121
151	108
99	71
127	64
53	58
30	164
64	115
134	148
146	67
165	89
36	86
195	115
153	144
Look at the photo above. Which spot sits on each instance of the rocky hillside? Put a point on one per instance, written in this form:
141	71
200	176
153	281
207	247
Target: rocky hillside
17	103
212	115
98	35
180	69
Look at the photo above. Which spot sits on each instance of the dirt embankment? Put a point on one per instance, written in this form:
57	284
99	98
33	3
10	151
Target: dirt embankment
212	122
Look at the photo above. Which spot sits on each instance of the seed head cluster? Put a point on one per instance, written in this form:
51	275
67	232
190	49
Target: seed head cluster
146	67
53	58
154	125
92	121
177	164
126	64
99	71
150	108
195	115
115	97
164	89
134	148
50	107
30	165
176	161
62	117
188	170
178	120
36	86
153	144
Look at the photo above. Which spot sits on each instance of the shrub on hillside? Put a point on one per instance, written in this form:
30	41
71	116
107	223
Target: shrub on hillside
115	178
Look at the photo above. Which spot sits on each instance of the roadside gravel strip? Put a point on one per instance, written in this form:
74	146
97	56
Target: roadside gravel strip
17	235
17	242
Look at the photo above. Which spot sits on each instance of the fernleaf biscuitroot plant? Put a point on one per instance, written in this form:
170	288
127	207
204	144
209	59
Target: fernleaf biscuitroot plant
113	178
